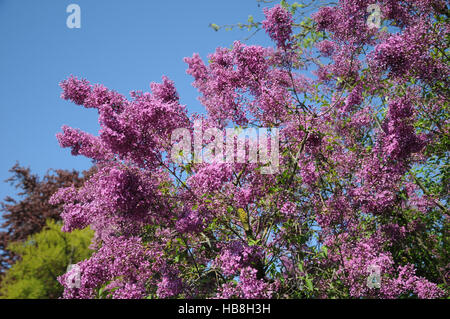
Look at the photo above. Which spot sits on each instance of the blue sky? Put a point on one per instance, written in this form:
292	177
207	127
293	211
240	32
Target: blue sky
124	45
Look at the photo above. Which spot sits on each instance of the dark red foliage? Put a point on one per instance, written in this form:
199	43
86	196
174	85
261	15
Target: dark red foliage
27	214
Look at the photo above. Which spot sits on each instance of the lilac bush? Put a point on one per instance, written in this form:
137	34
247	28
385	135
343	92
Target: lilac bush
362	180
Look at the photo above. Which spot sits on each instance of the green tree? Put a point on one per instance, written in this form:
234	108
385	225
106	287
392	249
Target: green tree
27	213
42	258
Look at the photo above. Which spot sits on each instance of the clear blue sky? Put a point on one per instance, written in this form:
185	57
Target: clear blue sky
124	45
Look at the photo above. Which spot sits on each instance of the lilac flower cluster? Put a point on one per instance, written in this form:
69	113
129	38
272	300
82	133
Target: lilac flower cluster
278	25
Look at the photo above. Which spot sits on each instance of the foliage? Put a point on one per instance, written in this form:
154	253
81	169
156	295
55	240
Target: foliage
27	215
42	258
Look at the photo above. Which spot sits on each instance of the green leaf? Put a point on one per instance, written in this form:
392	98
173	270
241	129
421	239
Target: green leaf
309	284
214	26
325	250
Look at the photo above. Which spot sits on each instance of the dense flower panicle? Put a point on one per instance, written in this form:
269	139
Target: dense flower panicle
166	91
234	256
227	291
81	92
75	90
410	53
83	143
253	288
400	139
242	83
249	287
362	179
250	62
325	17
101	96
170	285
196	67
191	221
119	194
309	174
326	47
126	126
367	253
345	65
408	282
144	125
289	209
211	177
354	99
278	25
120	257
393	54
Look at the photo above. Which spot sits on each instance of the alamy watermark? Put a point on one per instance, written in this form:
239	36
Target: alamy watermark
73	278
232	145
374	278
374	19
74	18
